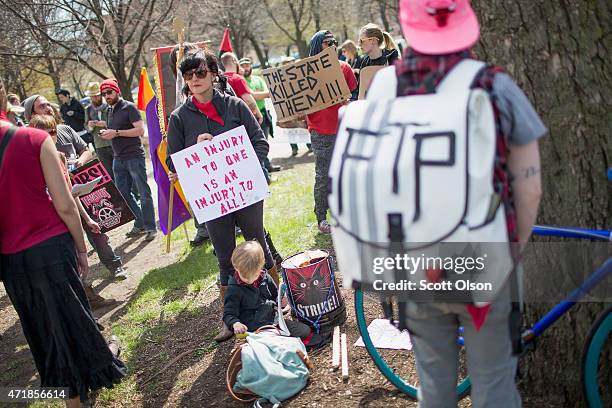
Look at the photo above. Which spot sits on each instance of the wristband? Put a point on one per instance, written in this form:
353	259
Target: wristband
117	133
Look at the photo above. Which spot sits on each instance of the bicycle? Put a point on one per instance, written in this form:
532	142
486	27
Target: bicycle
599	333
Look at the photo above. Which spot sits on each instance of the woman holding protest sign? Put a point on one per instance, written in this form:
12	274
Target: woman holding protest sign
209	112
42	255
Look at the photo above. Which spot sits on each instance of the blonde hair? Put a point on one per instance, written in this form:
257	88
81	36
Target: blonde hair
350	47
385	41
248	259
44	122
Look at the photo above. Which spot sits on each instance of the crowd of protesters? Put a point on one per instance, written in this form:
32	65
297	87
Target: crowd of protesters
44	264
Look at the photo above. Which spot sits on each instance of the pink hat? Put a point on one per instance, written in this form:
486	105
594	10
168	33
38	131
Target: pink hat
439	26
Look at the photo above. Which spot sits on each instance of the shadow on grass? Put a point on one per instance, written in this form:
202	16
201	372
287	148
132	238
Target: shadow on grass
160	324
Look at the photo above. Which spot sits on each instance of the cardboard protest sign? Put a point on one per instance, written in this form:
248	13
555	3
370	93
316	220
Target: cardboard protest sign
307	85
104	204
365	78
166	80
221	176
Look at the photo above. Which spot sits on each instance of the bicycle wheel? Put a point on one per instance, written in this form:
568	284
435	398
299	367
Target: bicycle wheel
391	369
596	373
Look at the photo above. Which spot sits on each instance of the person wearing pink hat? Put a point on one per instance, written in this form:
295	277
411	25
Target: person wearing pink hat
441	34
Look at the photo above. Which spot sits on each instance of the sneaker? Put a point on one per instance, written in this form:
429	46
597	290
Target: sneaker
294	153
274	168
120	273
150	235
324	227
135	232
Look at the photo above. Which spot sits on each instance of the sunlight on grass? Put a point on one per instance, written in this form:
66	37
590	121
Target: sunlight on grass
165	293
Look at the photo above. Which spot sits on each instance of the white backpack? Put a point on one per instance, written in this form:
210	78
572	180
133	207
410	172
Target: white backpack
416	170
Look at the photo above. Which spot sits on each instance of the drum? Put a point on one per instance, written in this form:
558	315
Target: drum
312	290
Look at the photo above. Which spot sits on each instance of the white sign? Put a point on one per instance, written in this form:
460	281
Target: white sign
384	335
221	176
291	135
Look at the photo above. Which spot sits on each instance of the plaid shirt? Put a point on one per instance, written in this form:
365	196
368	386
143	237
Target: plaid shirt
419	74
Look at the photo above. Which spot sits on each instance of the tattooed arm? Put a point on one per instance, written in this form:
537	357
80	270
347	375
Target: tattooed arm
524	167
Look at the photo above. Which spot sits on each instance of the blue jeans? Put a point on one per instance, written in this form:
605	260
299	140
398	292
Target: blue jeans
133	172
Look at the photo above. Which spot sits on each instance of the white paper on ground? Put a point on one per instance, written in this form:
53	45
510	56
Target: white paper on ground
82	189
385	335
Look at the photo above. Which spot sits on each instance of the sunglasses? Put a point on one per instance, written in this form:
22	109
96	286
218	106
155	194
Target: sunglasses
362	40
330	43
107	93
200	73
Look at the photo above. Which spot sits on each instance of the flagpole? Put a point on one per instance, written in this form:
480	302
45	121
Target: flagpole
179	29
168	237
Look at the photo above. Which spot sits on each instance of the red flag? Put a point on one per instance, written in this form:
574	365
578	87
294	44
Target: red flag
226	44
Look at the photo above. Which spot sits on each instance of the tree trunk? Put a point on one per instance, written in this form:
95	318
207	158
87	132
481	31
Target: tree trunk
316	13
558	52
258	50
303	47
382	7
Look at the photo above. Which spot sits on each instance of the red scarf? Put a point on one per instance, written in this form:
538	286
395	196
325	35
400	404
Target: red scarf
257	282
208	109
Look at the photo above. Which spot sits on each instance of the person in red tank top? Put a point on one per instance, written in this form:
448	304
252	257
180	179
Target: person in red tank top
42	253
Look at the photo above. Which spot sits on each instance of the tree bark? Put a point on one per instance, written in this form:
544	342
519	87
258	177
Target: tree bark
258	50
558	52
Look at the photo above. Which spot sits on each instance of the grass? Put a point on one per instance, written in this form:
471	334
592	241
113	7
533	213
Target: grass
164	293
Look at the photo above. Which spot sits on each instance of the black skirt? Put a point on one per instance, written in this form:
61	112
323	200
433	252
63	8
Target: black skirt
68	349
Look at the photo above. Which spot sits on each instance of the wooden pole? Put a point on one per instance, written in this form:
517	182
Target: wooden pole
336	348
170	208
345	366
186	231
179	30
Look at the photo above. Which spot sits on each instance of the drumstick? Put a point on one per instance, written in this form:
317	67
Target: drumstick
336	348
345	366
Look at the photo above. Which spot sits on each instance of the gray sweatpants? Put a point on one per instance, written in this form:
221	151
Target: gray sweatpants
323	148
492	367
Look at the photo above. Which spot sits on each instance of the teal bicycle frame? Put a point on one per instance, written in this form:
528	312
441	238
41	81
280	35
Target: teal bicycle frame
592	355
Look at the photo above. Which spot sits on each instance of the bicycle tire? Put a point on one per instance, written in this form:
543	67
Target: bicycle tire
599	333
463	387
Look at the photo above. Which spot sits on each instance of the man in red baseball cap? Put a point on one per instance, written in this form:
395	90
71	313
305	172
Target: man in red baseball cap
124	128
441	34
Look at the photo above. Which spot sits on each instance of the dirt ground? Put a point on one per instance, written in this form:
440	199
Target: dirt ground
193	374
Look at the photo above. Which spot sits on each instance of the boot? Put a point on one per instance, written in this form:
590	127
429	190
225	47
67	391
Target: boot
275	255
225	333
273	272
96	301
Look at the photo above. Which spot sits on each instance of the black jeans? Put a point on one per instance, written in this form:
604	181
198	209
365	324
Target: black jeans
105	155
223	236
